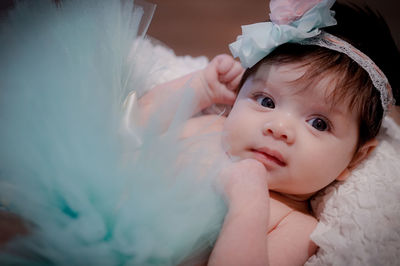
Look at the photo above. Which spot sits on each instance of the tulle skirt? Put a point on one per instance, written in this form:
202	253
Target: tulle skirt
93	187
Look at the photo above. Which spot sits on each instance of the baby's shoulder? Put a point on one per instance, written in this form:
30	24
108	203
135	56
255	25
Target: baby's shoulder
289	233
288	214
203	124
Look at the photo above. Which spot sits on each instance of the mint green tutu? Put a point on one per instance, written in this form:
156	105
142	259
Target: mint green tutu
92	188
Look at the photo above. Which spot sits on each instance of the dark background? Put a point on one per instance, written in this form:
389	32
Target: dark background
206	27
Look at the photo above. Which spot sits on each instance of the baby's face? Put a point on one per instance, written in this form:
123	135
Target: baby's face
304	142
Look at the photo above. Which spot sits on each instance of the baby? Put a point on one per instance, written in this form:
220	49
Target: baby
304	115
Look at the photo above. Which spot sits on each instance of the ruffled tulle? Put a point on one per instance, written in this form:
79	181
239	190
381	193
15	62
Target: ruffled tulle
93	188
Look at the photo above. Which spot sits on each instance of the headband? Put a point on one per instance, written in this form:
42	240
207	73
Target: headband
300	21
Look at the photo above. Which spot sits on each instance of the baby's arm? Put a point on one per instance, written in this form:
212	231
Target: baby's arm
214	84
289	243
243	238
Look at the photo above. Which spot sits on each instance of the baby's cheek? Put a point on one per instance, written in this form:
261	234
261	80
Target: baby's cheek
227	142
236	129
232	138
327	168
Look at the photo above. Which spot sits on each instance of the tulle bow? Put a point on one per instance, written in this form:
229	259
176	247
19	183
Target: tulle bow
292	21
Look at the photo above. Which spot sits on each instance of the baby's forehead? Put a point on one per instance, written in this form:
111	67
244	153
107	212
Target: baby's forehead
304	79
280	73
296	76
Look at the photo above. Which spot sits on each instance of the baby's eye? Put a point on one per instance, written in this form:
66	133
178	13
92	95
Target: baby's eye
265	101
319	124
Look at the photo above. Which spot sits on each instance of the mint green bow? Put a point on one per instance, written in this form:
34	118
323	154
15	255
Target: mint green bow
260	39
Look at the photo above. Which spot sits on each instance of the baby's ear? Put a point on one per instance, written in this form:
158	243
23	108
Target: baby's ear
363	153
360	155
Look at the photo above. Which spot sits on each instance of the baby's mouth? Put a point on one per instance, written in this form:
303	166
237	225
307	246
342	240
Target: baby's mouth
270	155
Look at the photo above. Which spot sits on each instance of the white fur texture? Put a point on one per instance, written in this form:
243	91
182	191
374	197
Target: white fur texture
359	219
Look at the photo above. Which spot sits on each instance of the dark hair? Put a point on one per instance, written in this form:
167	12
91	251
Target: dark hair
367	31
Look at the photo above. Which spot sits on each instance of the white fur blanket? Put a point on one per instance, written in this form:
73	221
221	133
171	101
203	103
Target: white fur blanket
360	218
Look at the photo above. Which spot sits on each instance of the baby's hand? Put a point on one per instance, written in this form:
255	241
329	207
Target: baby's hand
245	182
222	76
243	237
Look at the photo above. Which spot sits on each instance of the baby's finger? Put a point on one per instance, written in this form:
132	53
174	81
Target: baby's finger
235	82
224	63
235	72
227	97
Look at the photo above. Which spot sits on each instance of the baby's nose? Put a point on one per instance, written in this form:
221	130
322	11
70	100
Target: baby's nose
279	129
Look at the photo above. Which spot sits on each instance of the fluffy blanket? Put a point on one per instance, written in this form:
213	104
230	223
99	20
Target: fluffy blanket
360	218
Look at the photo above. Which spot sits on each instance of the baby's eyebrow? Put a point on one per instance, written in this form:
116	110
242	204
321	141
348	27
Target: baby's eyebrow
260	80
334	109
265	84
329	107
